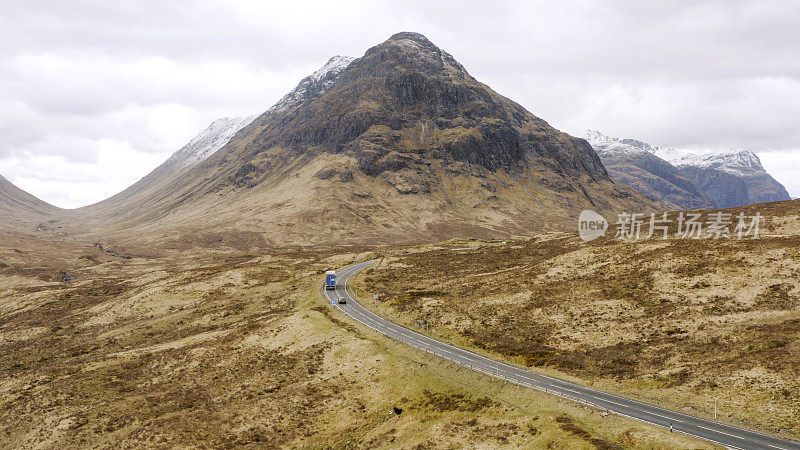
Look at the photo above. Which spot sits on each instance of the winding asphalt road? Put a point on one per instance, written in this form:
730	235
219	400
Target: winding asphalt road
716	432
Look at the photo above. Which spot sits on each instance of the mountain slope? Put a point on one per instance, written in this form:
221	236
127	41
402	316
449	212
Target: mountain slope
206	143
636	166
315	84
193	153
20	210
400	144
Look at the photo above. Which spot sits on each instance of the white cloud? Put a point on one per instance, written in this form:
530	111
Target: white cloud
69	183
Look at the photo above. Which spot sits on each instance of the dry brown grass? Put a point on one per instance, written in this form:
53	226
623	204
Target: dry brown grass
677	323
219	347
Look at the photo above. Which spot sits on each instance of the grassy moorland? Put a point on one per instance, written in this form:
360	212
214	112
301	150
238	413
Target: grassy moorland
677	323
218	347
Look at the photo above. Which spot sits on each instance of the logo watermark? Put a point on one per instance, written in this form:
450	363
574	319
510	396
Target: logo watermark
591	225
682	225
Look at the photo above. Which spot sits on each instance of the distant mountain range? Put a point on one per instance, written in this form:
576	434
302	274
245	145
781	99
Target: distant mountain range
402	144
719	179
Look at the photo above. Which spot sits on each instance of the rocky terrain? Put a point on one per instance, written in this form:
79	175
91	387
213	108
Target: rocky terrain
721	179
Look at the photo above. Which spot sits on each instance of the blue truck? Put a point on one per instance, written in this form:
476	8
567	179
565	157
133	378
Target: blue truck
330	279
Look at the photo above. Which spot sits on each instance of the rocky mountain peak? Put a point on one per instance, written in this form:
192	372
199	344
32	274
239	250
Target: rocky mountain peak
410	42
407	101
639	144
596	136
419	38
413	51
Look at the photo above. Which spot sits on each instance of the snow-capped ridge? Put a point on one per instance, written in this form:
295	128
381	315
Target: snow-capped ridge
736	162
334	65
596	136
604	144
315	84
222	130
728	178
208	142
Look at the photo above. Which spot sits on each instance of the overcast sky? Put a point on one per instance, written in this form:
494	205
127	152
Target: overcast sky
94	95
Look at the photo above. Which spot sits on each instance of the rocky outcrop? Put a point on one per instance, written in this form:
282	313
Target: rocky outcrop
328	174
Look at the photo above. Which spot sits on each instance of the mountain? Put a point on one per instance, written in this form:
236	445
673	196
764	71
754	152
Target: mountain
401	144
24	212
731	178
726	178
635	164
20	210
206	143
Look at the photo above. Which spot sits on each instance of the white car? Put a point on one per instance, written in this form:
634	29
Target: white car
342	300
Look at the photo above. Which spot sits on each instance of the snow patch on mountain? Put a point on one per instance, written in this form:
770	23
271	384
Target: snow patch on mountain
315	84
208	142
606	145
736	162
334	65
222	130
